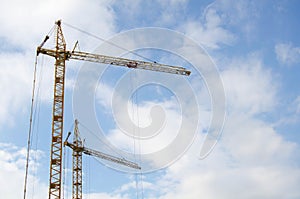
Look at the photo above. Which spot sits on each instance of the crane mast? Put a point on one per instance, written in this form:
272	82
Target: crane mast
61	55
57	116
77	163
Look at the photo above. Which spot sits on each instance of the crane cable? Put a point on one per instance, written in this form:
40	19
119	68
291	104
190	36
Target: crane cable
139	141
32	112
109	42
36	121
88	177
66	165
65	173
30	128
135	102
100	140
134	128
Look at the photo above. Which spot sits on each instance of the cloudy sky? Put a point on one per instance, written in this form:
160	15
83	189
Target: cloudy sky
255	47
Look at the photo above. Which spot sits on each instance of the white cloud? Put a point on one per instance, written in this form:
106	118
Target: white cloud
155	13
23	25
173	11
236	183
287	54
15	84
291	114
12	170
142	118
145	115
26	23
106	196
240	15
297	103
104	94
252	142
172	3
250	88
251	159
210	33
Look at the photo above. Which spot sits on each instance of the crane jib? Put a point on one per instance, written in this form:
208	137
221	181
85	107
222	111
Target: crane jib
117	61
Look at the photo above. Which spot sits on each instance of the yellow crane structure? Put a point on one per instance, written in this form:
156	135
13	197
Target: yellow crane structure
61	55
78	149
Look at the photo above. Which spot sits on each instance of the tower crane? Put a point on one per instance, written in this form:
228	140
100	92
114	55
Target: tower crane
78	149
61	55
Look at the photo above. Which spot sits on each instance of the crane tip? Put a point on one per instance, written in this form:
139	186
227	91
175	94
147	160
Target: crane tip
58	22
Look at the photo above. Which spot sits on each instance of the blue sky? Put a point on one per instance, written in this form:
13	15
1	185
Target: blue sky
256	48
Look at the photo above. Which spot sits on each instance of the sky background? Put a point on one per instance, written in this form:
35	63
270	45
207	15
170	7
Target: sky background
254	44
